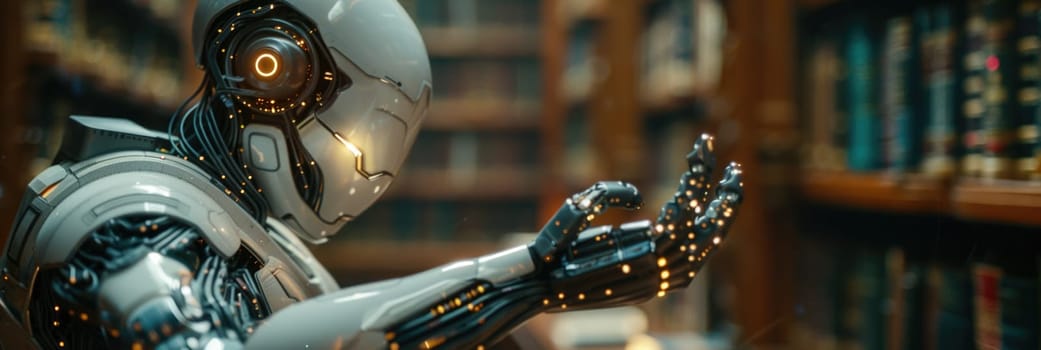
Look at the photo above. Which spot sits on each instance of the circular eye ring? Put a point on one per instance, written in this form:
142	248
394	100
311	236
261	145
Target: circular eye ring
274	65
266	65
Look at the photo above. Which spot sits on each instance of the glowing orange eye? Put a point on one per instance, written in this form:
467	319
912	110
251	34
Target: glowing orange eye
266	65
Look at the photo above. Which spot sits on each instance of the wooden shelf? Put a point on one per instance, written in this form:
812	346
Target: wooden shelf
878	191
1003	201
487	41
456	114
343	256
574	11
502	183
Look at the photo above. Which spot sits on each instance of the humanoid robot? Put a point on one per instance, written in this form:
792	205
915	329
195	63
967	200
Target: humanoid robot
194	238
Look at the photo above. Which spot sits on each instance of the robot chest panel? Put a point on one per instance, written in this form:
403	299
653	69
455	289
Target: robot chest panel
292	275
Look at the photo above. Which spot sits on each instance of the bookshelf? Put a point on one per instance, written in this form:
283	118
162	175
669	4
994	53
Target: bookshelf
996	201
920	173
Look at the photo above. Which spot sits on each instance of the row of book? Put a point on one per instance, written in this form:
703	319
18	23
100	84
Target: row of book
876	298
682	48
128	48
484	78
941	89
118	58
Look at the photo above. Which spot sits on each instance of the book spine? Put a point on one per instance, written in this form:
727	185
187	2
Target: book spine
863	153
821	72
938	51
972	85
840	128
1028	48
1019	317
999	87
987	305
913	323
952	307
896	299
896	110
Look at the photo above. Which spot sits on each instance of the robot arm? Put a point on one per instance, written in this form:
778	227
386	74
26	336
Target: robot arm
470	304
456	306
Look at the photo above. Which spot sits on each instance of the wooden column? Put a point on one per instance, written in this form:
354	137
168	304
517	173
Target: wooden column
756	91
614	112
552	55
13	151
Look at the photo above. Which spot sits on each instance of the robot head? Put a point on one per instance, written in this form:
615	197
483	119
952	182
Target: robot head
330	94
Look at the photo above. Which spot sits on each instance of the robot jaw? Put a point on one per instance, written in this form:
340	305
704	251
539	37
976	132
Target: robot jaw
267	155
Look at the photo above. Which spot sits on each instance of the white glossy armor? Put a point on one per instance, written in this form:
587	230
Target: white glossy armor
191	238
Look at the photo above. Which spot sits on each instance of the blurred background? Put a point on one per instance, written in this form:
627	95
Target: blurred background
891	151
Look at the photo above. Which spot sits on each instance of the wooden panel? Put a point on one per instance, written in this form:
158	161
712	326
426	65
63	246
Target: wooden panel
756	87
13	151
877	191
615	109
554	108
1002	201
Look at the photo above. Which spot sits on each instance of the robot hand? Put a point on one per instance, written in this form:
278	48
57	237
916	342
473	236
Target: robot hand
611	266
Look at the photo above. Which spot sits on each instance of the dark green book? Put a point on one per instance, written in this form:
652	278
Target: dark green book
1019	312
914	294
864	152
951	290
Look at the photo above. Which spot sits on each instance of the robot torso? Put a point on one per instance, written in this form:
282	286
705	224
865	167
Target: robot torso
68	202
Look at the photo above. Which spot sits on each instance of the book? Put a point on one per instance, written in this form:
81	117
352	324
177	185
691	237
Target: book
1018	297
1028	95
986	282
949	308
972	103
821	99
938	55
861	101
999	87
901	137
864	296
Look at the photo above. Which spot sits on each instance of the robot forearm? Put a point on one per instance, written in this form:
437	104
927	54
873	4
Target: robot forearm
458	305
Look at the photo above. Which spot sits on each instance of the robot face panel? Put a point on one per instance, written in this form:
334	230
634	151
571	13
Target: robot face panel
361	141
358	130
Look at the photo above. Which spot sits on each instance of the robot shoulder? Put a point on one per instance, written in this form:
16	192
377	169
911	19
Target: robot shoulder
66	202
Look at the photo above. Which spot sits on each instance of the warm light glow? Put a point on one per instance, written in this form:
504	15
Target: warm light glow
358	155
263	69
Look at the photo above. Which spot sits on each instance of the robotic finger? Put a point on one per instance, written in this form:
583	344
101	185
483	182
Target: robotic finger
578	211
686	248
